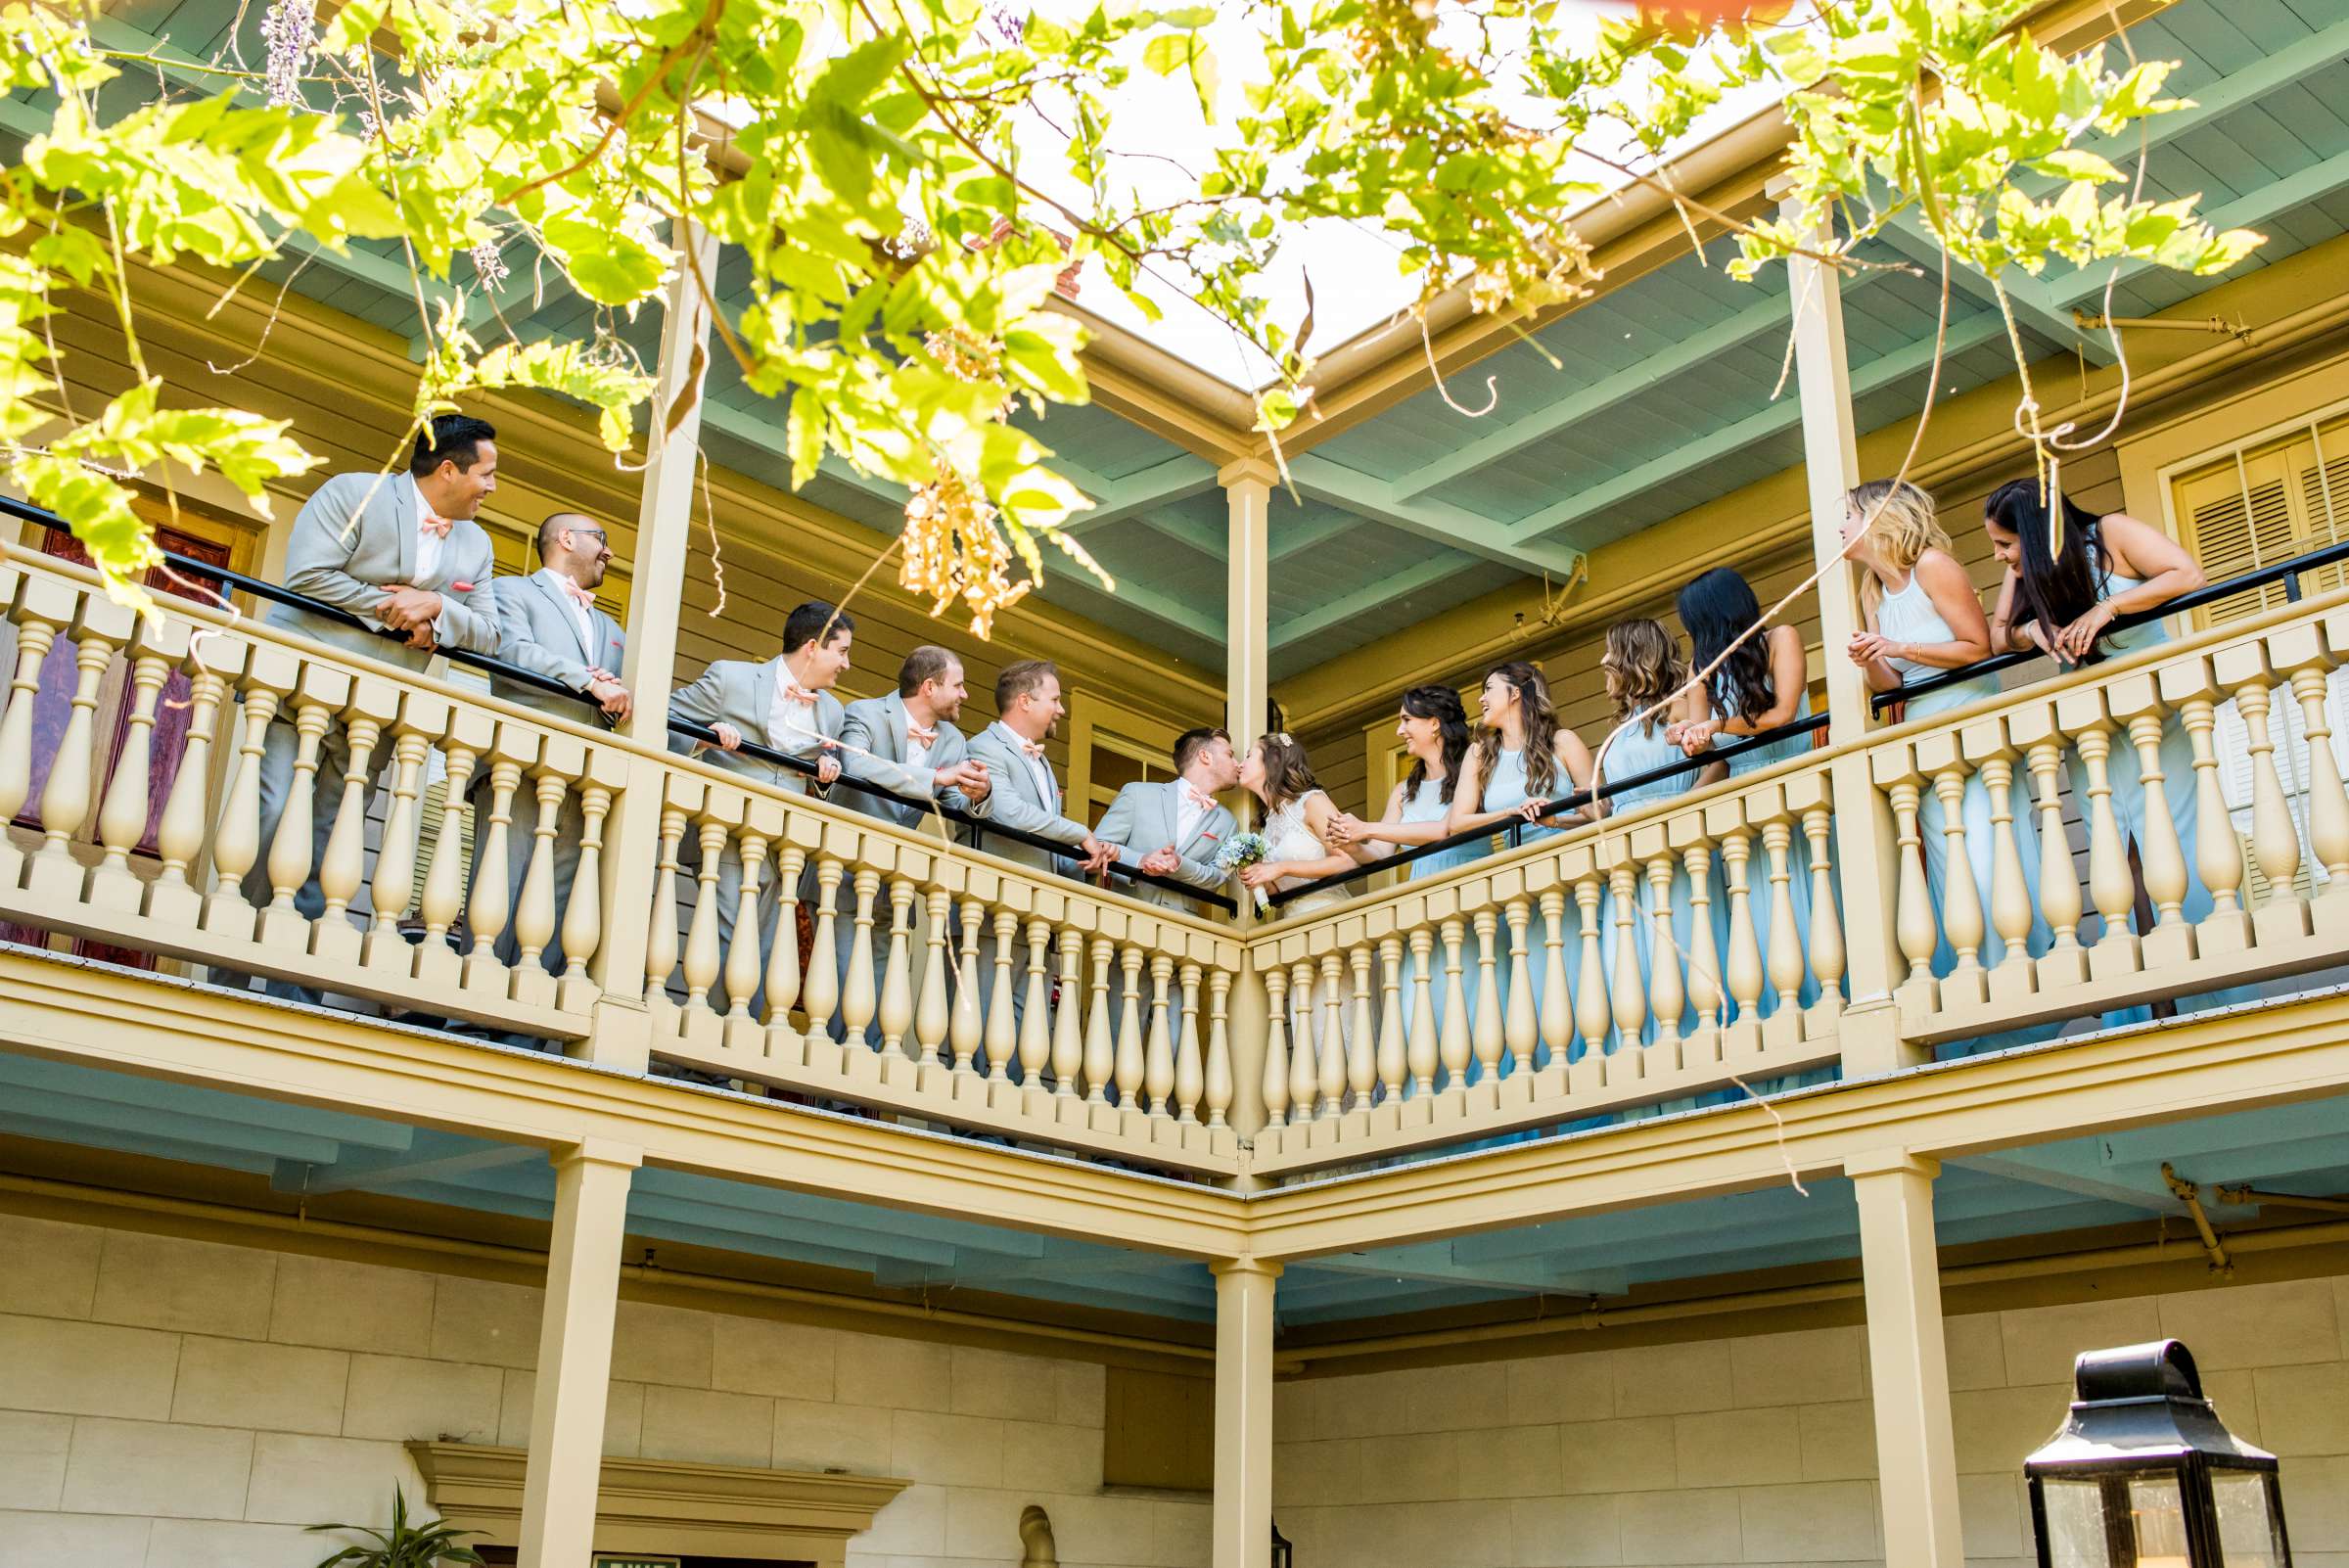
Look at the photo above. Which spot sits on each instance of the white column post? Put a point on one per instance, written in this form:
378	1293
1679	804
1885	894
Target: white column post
1243	1517
574	1353
1865	846
622	1035
1917	1452
1248	492
1247	637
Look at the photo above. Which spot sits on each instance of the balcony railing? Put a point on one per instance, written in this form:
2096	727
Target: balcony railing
1698	946
943	1015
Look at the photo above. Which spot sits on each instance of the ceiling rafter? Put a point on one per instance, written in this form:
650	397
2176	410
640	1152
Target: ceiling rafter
2034	305
2269	202
1361	601
1884	371
1464	530
1770	313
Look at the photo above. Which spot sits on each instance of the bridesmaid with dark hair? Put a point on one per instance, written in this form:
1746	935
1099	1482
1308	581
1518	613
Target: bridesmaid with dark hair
1757	689
1433	727
2064	588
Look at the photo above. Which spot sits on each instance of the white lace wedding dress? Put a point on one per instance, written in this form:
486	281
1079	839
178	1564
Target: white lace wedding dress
1289	837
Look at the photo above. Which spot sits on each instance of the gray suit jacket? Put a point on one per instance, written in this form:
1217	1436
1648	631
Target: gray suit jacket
1143	818
1014	801
737	692
877	726
537	631
354	537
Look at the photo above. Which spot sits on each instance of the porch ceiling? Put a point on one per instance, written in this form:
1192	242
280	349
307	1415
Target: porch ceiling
2075	1184
1661	398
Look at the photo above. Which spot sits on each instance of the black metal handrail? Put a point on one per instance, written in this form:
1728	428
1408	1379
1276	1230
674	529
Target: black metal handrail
2288	573
276	593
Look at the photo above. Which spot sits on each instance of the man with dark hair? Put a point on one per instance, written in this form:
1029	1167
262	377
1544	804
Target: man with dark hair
787	705
1173	828
400	551
907	743
548	624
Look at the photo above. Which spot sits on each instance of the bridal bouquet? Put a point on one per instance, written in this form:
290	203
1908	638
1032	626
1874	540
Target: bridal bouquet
1238	853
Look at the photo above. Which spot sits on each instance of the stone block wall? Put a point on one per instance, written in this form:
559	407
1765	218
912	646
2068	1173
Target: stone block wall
169	1403
1762	1449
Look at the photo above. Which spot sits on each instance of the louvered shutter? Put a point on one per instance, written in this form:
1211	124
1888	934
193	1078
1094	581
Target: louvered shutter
2250	509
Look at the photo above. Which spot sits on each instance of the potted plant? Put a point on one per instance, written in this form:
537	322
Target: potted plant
403	1545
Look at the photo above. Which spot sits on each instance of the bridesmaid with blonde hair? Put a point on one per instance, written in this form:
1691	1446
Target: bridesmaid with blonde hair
1923	618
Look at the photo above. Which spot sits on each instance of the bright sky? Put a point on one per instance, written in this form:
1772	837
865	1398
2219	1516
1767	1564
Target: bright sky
1355	279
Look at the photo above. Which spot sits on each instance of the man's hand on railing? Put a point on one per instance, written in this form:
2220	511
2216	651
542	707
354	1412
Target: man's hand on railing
827	765
1098	856
412	611
967	776
612	695
727	737
1162	863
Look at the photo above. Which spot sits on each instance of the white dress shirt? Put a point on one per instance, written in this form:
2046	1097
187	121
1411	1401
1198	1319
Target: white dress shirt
1037	764
917	749
1190	804
791	722
429	542
562	588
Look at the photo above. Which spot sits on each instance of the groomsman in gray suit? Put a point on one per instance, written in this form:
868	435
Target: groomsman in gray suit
548	624
1026	795
907	743
784	704
400	551
1174	828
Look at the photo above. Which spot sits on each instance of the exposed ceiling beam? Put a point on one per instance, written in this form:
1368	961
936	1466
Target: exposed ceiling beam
1770	313
1177	479
1443	1268
1376	499
1877	374
739	424
1304	537
2014	1166
2032	305
1361	601
368	1175
2263	205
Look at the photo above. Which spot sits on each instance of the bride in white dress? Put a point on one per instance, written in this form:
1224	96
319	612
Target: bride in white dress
1298	817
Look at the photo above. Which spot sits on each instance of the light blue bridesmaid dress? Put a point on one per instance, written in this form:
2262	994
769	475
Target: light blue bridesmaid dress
1908	615
1756	867
1633	751
1504	790
2126	774
1426	803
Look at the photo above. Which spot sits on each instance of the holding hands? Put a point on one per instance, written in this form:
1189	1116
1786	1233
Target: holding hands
1695	736
1346	828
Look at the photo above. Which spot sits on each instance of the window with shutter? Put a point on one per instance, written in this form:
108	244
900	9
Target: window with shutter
2249	506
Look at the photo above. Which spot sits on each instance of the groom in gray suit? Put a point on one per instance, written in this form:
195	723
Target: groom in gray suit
548	624
907	743
400	551
1174	828
784	704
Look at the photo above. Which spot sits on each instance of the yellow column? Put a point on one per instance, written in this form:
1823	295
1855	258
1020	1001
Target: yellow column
655	600
1243	1521
574	1353
1864	844
1917	1454
1248	495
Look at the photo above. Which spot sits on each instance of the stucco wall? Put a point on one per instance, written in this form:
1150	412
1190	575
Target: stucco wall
181	1404
1762	1449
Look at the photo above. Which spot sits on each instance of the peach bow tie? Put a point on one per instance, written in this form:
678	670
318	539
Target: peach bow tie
438	527
914	731
577	595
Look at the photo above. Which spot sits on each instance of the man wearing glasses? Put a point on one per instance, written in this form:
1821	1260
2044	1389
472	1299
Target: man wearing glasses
549	625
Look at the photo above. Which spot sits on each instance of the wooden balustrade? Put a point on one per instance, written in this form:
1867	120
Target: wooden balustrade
935	982
2151	898
1694	947
289	900
1659	955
